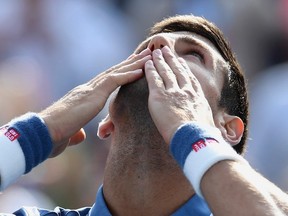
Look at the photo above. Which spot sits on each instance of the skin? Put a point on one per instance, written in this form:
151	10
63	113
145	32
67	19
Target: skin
65	119
192	84
238	184
185	87
178	61
205	67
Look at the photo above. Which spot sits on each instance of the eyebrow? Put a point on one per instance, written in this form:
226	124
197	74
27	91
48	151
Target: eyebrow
191	41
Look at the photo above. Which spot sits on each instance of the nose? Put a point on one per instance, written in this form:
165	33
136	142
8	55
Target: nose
159	41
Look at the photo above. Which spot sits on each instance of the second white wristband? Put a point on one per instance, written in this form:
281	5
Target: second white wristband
206	153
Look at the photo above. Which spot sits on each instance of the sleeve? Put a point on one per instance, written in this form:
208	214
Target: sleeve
100	207
34	211
24	143
194	206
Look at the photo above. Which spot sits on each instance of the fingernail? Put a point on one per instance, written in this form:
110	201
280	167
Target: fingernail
149	62
138	71
181	60
166	48
157	52
145	51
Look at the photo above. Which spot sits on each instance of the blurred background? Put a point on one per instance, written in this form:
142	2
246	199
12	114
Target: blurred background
48	47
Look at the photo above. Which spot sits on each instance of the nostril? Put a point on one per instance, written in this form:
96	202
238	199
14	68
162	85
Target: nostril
152	47
161	46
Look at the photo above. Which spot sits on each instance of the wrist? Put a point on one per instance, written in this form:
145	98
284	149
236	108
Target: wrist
196	148
34	139
25	143
47	119
187	134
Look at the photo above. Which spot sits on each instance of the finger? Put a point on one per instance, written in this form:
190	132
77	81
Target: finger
107	86
131	56
139	64
120	79
78	137
103	85
154	80
134	66
191	77
164	70
144	52
180	72
131	59
184	75
58	150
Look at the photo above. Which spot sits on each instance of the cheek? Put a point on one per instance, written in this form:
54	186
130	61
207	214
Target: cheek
211	88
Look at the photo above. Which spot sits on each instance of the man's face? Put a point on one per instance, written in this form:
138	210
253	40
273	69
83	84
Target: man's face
202	57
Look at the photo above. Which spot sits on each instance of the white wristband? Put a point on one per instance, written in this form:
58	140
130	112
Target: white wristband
205	154
12	160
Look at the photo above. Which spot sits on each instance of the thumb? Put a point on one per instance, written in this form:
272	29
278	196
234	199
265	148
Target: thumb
78	137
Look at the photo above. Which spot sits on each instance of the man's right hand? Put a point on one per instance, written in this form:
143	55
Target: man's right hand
65	118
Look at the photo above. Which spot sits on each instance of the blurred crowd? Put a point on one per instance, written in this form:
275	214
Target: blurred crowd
49	47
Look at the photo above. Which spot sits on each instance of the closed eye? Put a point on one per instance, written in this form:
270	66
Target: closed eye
197	54
191	48
194	54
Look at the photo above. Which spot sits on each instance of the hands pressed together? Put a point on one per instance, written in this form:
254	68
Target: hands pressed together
173	89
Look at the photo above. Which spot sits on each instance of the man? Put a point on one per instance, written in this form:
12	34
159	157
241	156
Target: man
194	99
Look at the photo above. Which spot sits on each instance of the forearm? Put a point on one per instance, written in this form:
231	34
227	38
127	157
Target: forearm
222	177
233	188
279	196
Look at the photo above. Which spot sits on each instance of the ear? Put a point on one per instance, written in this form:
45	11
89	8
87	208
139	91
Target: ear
232	128
105	128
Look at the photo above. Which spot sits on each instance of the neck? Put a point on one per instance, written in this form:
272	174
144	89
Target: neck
144	179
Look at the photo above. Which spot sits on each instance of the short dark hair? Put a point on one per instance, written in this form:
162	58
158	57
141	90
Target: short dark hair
234	97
